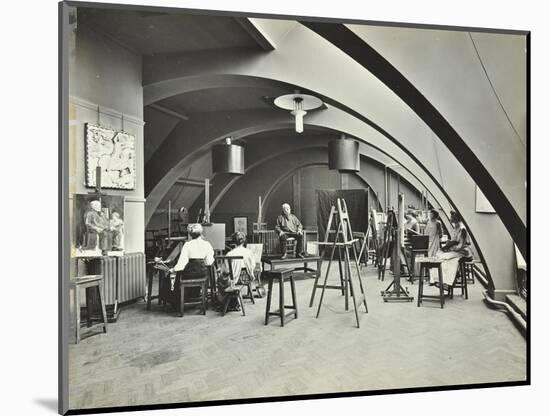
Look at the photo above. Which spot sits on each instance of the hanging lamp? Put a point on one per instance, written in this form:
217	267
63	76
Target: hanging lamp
343	154
228	158
299	105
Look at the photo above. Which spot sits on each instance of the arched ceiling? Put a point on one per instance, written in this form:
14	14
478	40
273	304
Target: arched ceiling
204	87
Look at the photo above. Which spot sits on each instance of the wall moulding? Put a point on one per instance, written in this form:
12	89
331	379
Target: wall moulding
106	111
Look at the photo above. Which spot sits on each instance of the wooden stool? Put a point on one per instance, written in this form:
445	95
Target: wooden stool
468	271
426	264
465	268
89	283
233	293
200	283
281	276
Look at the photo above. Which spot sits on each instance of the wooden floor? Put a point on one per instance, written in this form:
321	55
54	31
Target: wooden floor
153	357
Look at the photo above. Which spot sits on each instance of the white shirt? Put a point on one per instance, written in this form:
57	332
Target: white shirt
248	262
195	249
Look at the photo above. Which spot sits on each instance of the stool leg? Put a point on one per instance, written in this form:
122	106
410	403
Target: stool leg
182	299
441	291
420	286
149	288
225	304
159	286
241	302
251	293
466	282
282	300
268	302
77	310
88	307
294	304
102	303
203	295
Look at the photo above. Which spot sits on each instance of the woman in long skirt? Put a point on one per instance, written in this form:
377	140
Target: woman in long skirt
456	248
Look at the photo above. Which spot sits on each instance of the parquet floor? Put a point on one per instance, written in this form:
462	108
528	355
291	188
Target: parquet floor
153	357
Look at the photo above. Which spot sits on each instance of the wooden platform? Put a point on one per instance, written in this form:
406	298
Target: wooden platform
275	262
154	357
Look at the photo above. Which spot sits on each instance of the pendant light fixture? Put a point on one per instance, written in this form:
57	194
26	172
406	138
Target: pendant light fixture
228	158
299	105
343	154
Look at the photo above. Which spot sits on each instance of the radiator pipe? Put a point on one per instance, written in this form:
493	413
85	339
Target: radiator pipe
517	317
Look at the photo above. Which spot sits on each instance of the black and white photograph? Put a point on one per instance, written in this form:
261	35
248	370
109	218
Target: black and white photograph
384	171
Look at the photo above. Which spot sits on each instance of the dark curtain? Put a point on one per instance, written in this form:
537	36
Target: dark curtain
356	201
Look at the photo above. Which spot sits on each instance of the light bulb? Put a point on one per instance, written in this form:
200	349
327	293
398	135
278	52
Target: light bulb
299	119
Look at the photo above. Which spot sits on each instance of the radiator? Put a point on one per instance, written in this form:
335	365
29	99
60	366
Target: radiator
107	266
269	239
131	277
123	277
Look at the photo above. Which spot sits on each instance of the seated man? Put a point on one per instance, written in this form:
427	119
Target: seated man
289	226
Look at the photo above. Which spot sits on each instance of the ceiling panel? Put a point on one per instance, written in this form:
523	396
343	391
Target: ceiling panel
154	33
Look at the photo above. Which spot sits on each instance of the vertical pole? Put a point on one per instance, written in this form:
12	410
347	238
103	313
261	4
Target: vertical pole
259	211
386	189
207	200
169	218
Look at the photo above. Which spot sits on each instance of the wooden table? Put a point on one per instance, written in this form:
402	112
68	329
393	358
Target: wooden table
276	261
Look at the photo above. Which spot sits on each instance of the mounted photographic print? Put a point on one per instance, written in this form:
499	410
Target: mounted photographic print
355	149
115	152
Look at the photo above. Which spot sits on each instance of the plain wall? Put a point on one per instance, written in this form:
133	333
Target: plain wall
106	76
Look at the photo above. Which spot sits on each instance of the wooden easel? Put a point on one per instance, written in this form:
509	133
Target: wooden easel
370	233
343	233
393	231
389	237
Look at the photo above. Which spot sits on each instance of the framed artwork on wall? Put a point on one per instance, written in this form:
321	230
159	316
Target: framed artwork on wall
115	152
240	224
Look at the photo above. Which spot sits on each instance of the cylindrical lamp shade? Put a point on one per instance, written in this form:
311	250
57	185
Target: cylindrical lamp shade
343	154
228	158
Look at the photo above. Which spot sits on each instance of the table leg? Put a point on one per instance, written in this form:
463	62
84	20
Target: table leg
441	291
268	302
282	300
77	310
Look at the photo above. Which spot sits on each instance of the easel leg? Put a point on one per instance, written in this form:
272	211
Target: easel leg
325	281
348	270
360	280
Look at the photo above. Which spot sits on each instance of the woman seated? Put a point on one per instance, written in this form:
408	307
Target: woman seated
195	256
241	269
455	249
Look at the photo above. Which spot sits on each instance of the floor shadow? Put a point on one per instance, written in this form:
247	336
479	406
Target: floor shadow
49	404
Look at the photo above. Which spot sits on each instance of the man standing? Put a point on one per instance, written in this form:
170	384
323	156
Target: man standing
288	225
96	227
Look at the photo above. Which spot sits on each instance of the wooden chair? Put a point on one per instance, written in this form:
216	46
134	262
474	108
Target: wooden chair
190	283
291	246
89	283
234	290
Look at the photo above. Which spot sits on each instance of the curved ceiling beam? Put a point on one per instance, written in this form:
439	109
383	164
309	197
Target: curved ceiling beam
166	75
167	164
347	41
215	127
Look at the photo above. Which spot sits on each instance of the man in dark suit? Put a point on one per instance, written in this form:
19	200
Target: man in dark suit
288	225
